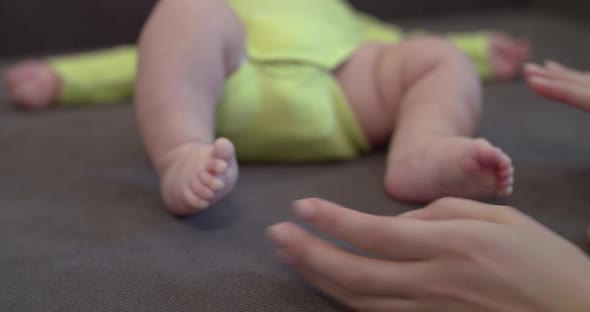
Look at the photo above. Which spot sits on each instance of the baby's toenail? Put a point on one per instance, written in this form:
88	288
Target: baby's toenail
217	185
509	190
202	204
221	167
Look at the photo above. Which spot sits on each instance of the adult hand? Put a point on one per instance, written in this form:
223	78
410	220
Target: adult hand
454	255
559	83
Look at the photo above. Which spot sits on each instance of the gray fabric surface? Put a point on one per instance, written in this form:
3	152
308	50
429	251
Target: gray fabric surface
82	227
33	26
574	7
388	9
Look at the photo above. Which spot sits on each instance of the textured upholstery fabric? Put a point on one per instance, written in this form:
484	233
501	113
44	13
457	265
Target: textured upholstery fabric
82	227
32	26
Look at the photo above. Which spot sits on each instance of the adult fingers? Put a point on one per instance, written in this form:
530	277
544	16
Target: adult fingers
456	208
565	73
355	300
387	236
555	71
356	274
536	70
562	91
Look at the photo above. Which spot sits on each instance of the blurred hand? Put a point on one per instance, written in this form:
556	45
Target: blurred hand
454	255
559	83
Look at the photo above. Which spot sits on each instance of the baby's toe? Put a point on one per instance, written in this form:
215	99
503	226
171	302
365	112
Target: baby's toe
194	202
505	162
202	191
487	155
506	173
223	149
507	191
505	183
212	182
217	167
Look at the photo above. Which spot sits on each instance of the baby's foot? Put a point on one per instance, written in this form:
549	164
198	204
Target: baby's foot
455	166
199	176
33	84
507	55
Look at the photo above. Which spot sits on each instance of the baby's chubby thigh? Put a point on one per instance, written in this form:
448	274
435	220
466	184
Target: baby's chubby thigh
372	81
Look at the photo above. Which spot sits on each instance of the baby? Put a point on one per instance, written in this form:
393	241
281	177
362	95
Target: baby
302	80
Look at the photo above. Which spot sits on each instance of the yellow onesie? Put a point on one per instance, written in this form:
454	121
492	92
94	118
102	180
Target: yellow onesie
283	103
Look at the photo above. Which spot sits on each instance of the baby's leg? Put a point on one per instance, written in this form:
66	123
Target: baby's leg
186	51
434	93
431	153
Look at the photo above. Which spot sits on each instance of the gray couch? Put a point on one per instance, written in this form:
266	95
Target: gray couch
82	227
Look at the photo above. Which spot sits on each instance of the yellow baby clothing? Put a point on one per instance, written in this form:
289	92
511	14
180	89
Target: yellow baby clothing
283	103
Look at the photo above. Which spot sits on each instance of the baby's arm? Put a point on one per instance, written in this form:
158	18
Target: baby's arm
96	77
495	55
81	79
186	50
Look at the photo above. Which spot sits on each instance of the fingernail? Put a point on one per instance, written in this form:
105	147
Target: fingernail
408	214
533	67
554	64
304	209
277	234
551	63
